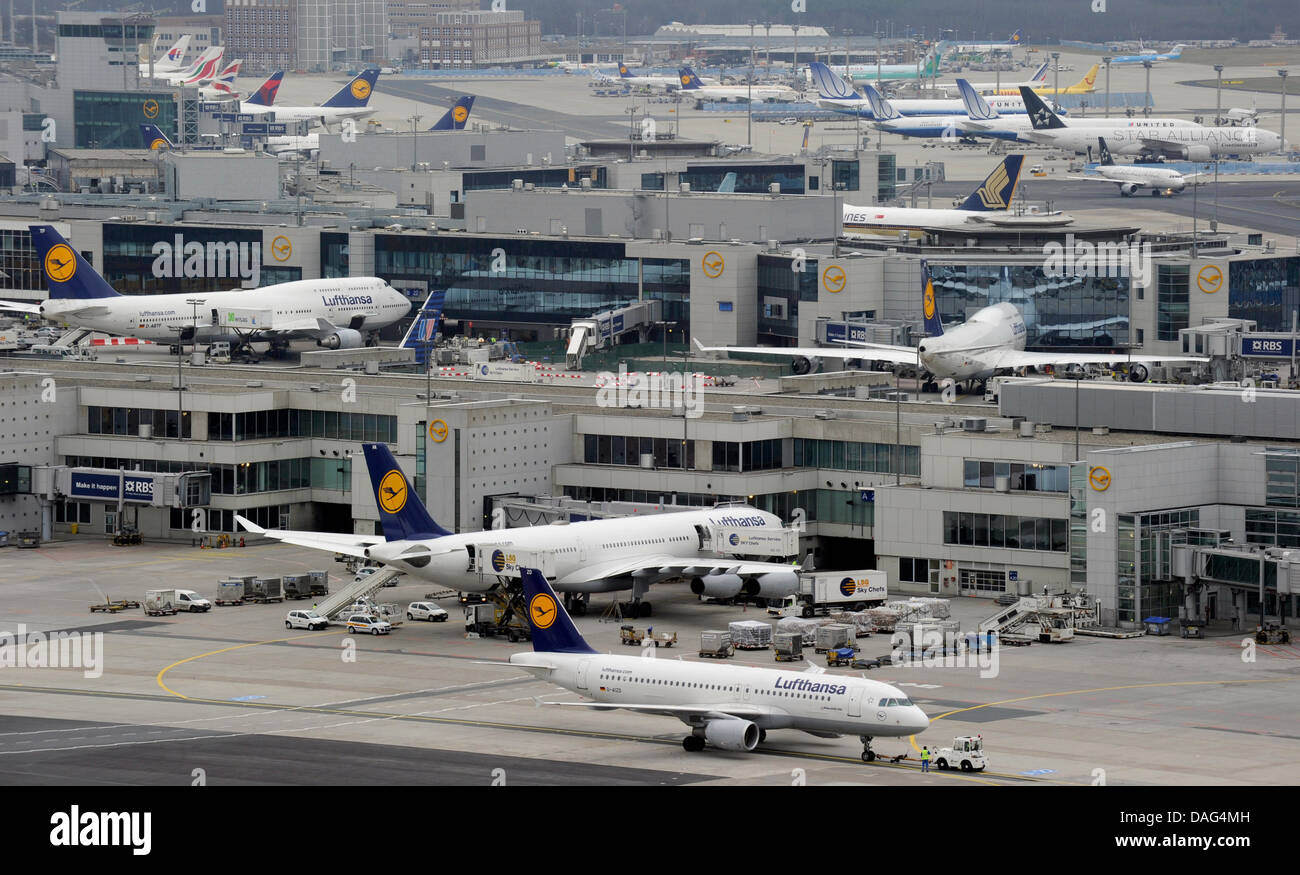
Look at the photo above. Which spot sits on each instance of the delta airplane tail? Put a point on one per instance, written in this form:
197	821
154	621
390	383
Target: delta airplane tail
929	307
154	138
997	190
265	93
829	85
68	275
403	515
356	94
553	630
882	109
690	82
456	117
976	107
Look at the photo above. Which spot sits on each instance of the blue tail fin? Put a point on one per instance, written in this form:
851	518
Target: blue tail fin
401	512
553	630
1040	115
456	117
998	188
624	72
1040	75
356	94
882	109
154	138
690	82
929	306
66	272
424	330
1015	38
265	93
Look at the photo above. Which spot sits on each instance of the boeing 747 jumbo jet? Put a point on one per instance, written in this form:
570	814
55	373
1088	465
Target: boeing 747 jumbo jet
990	341
336	313
351	101
605	555
730	707
693	87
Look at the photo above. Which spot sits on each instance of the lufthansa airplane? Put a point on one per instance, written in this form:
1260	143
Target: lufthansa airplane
730	707
992	340
605	555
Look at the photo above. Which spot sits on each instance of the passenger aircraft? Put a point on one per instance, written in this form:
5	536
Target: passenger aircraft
693	87
658	83
1154	57
594	556
898	72
333	312
170	62
224	83
204	68
351	101
453	119
835	94
980	48
1086	85
1173	138
730	707
991	340
1036	81
1131	177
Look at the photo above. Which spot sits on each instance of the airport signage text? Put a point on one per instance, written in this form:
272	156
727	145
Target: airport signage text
108	487
1268	347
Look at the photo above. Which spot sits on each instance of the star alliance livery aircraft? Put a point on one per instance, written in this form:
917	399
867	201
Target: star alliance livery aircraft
605	555
730	707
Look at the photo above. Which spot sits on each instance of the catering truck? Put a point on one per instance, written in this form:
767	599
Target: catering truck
823	591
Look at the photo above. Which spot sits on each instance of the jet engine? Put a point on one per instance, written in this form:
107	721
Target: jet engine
1129	189
803	365
343	338
1197	153
739	735
717	586
1138	373
773	585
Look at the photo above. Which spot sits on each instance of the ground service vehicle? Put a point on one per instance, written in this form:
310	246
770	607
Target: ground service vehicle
305	620
425	611
368	623
966	753
834	590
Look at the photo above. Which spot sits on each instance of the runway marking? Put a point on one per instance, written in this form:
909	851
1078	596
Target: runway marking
159	678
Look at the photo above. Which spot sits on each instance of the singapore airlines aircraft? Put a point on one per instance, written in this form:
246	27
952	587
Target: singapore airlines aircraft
593	556
991	340
730	707
333	312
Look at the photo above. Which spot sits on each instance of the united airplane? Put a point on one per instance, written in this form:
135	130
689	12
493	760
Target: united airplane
991	341
605	555
730	707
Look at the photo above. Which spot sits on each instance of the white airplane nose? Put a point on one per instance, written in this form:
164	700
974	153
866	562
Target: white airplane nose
916	720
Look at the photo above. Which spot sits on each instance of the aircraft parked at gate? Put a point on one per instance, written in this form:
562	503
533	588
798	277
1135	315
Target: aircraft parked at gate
352	101
172	62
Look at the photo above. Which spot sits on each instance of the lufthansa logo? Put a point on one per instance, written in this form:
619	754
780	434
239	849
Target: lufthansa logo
437	431
833	278
928	300
60	263
713	264
686	80
460	113
1209	279
1099	477
150	108
392	492
281	248
542	610
361	89
159	143
733	540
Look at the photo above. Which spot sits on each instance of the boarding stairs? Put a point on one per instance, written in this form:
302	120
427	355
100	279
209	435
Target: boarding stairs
73	337
1010	618
354	592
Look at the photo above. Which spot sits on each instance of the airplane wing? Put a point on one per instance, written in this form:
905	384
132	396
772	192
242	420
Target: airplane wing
1163	146
686	713
21	308
348	545
669	566
901	355
1014	358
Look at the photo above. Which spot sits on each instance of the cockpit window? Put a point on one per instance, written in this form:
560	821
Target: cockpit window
895	703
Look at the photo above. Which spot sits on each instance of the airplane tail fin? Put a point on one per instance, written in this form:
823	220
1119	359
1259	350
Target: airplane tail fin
456	117
424	330
356	94
690	82
1040	75
552	628
624	72
998	188
1015	38
209	64
829	85
1089	80
265	93
177	52
882	109
728	184
1106	159
1177	51
929	307
1040	115
66	272
154	138
976	107
400	511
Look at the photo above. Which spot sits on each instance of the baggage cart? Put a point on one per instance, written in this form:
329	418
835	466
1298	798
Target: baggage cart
716	644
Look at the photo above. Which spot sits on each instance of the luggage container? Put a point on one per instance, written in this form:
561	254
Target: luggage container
160	602
296	586
230	591
750	635
833	636
319	582
788	646
715	644
264	590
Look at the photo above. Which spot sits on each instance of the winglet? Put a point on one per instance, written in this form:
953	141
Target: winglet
250	525
552	628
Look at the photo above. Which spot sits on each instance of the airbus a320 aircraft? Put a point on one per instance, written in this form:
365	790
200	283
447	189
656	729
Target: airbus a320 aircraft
594	556
991	340
731	707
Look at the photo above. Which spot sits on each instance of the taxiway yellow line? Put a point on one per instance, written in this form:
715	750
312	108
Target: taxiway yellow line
159	678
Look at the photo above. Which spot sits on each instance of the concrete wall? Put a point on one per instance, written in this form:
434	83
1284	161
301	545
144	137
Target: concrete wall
396	149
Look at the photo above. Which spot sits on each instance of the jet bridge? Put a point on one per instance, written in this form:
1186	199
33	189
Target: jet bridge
608	328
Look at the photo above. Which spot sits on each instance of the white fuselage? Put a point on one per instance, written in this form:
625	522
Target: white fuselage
313	114
888	221
1157	177
1130	137
819	703
957	352
741	92
658	83
575	547
163	317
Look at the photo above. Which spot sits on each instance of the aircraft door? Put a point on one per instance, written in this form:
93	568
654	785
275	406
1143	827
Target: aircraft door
582	550
582	673
855	702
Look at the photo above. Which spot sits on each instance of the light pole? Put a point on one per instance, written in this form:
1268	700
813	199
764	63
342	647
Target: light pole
631	130
1056	76
1106	61
767	49
1146	98
749	98
794	65
180	353
1218	95
415	140
1282	135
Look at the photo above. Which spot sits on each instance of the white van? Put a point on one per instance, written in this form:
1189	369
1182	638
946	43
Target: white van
189	600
